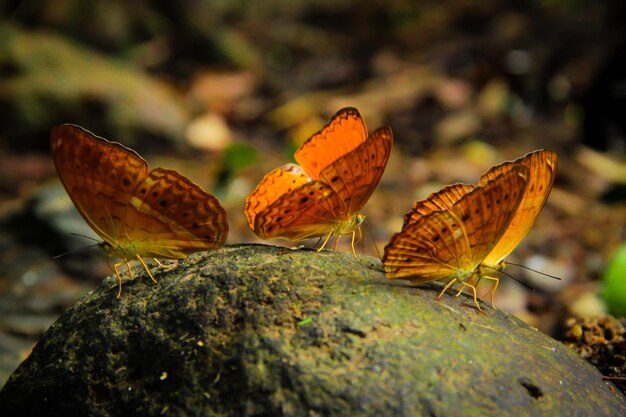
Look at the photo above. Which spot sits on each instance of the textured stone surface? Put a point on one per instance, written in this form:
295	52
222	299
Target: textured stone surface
265	331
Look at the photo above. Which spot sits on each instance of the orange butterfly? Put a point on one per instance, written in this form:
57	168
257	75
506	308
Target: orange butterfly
339	169
137	212
463	232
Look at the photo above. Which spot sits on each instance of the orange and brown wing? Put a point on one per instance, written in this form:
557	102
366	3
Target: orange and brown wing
355	175
541	172
307	211
344	166
441	200
169	216
454	242
344	133
99	176
158	213
274	185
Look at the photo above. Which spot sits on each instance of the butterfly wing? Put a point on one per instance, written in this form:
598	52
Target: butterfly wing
169	217
99	176
153	214
309	210
441	200
344	166
541	172
343	134
355	175
274	185
454	241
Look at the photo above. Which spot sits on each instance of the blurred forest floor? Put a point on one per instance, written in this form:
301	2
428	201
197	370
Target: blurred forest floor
226	91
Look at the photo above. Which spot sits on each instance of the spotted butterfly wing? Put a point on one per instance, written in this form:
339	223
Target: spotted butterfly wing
441	200
345	132
340	168
274	185
454	241
355	175
541	172
307	211
137	212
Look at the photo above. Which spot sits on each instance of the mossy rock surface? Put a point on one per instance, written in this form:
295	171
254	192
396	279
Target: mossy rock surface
264	331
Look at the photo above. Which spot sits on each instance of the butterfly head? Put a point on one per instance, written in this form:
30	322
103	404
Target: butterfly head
106	248
120	252
350	225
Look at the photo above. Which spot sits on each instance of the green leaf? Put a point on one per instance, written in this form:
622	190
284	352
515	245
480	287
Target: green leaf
614	283
238	156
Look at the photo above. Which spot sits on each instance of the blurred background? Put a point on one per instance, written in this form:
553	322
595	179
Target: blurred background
225	91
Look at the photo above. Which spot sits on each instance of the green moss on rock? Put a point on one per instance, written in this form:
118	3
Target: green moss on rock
264	331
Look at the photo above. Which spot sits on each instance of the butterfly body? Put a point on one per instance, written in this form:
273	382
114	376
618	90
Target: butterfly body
136	211
462	233
338	169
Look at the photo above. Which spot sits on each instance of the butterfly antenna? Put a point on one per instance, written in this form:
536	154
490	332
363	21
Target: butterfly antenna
54	258
525	284
367	226
86	237
534	270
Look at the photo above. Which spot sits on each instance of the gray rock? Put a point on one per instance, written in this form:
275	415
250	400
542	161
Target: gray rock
264	331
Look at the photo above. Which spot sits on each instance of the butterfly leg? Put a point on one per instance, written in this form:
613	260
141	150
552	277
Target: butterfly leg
467	284
162	265
354	238
459	291
336	242
352	244
492	291
332	231
140	259
471	282
119	278
445	288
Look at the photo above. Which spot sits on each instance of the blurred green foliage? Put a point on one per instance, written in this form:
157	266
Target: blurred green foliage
239	156
235	158
614	283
